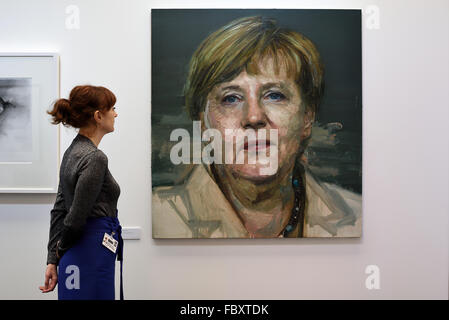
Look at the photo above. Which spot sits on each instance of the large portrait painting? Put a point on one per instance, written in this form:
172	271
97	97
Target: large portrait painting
256	123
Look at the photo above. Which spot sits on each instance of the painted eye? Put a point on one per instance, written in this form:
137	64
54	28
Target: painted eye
231	99
275	96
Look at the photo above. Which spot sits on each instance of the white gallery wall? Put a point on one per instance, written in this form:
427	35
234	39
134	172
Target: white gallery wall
405	162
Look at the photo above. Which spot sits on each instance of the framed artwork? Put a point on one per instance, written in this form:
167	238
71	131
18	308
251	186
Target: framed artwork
29	143
256	123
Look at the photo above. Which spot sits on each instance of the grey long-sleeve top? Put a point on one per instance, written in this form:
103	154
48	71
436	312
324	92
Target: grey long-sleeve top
86	189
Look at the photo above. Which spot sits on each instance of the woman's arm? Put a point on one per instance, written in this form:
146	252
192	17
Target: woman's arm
90	181
57	215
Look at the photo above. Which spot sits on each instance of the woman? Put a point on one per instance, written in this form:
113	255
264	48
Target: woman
251	75
85	234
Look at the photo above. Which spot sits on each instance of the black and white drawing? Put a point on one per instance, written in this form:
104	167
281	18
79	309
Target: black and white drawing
16	143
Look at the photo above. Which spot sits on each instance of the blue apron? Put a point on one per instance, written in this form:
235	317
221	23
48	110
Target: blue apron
87	270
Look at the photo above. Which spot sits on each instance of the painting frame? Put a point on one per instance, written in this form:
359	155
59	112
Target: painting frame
327	165
36	170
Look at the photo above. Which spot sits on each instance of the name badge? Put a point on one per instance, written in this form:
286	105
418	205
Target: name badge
110	243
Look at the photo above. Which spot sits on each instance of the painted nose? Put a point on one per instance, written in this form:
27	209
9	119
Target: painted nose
254	116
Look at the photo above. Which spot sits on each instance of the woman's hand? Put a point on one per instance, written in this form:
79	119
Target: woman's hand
51	279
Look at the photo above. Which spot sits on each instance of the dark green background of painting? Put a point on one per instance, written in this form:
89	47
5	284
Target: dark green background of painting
336	33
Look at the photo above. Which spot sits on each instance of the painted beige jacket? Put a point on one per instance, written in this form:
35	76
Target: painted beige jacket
198	209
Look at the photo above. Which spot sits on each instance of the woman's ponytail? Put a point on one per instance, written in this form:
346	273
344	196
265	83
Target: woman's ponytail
61	112
78	111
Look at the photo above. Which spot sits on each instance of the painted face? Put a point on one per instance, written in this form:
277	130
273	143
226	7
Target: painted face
262	101
108	120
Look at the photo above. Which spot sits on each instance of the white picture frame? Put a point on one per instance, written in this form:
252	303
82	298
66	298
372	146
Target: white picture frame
29	143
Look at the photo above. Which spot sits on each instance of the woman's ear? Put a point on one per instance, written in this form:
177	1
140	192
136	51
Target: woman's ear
309	119
97	116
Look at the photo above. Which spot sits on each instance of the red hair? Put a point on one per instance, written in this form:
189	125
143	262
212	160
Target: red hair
78	111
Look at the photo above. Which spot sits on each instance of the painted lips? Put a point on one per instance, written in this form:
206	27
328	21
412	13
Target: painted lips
256	145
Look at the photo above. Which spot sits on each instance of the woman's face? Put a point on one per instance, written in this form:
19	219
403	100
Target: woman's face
107	120
262	101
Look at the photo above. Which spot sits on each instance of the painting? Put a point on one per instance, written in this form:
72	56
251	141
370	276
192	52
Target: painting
15	120
256	123
29	143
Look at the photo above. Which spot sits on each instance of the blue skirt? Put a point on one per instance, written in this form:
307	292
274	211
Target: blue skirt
87	270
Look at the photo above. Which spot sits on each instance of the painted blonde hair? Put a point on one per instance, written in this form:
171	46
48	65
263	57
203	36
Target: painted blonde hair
242	45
